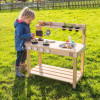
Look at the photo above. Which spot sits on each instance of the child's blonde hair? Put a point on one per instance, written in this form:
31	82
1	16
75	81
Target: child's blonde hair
27	13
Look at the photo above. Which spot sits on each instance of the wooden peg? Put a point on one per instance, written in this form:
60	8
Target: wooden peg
38	27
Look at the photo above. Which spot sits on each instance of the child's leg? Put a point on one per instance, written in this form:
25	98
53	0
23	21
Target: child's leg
22	63
17	65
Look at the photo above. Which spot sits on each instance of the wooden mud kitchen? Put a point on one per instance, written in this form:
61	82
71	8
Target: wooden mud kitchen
69	49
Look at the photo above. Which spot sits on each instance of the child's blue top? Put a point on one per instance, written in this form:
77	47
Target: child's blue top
22	34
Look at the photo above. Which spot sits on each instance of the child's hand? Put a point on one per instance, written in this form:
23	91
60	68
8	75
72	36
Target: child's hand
32	35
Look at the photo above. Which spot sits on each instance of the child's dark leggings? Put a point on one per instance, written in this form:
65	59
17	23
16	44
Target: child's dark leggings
21	57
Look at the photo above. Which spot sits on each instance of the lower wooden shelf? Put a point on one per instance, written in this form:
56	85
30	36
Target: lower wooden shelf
57	73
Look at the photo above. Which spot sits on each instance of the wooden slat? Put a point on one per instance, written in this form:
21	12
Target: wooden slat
58	75
87	3
72	3
58	68
58	71
55	73
90	3
52	73
95	2
52	77
59	25
84	3
81	3
98	2
77	3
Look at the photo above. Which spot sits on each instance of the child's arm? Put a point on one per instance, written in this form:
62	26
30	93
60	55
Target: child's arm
22	36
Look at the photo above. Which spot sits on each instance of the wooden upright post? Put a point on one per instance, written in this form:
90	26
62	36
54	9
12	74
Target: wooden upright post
28	62
82	62
39	53
83	36
40	62
39	58
83	53
74	72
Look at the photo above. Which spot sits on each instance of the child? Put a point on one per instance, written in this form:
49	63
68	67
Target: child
22	34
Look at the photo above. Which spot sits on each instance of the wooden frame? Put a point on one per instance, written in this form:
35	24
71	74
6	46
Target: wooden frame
62	74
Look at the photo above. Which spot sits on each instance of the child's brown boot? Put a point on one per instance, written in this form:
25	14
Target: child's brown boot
23	67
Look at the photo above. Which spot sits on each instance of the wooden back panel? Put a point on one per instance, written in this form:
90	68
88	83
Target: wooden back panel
82	27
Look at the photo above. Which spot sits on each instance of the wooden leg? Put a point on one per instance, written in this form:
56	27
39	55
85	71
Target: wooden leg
39	58
28	63
40	66
74	72
82	62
